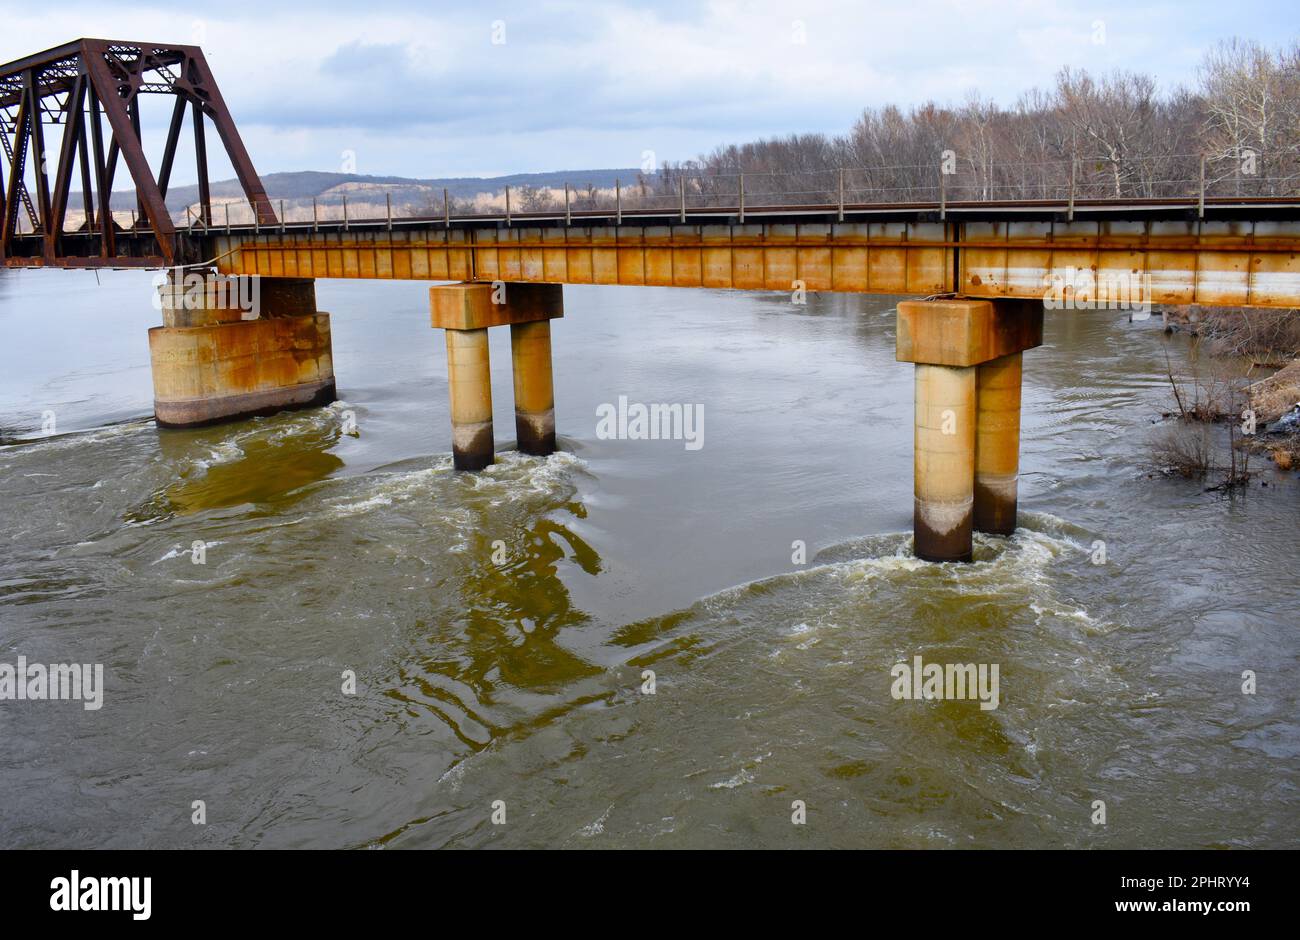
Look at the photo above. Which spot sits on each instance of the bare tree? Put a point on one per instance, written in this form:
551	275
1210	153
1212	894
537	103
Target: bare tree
535	199
1252	115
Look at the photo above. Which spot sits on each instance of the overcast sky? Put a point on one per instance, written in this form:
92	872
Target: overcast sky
483	88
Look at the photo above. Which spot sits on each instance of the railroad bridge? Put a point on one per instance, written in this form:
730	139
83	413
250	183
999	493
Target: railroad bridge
980	270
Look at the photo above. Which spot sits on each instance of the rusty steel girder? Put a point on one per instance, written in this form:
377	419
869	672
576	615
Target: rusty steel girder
1123	260
79	86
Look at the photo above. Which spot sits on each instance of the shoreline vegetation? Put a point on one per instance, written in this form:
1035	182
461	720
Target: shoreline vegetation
1240	398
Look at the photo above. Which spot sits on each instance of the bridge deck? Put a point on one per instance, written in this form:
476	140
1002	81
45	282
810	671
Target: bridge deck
1231	252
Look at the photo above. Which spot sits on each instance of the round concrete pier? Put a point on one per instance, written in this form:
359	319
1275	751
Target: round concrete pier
997	444
945	462
530	347
226	371
469	378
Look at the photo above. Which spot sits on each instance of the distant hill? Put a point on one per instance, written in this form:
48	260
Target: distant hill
329	188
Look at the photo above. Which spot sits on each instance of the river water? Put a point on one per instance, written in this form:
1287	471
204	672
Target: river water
518	682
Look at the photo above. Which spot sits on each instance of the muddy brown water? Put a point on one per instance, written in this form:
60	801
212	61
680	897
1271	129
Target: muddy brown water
519	678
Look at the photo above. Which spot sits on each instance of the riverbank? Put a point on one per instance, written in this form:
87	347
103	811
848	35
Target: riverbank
1244	375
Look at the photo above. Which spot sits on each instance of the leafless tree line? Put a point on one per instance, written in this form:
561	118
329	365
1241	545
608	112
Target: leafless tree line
1114	136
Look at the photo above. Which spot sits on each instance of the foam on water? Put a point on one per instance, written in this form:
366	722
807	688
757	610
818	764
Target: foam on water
180	551
514	478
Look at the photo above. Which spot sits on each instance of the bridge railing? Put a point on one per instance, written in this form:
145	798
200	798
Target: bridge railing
1186	178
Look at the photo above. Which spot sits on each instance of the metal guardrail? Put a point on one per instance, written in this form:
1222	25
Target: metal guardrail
723	213
1192	178
846	190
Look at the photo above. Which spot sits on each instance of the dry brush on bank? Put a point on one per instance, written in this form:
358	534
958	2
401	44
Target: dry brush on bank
1224	412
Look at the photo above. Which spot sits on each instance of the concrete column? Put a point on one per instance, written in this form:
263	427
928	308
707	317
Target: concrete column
466	312
530	348
943	495
997	444
967	355
469	378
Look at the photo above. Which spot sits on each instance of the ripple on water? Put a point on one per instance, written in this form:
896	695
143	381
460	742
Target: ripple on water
782	689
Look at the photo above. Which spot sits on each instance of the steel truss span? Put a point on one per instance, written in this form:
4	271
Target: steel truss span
90	91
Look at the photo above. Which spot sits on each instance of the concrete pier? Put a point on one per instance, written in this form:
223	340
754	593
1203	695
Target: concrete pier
466	312
967	355
530	347
231	349
943	486
469	382
997	444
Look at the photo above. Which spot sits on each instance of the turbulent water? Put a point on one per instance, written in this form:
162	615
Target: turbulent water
500	626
